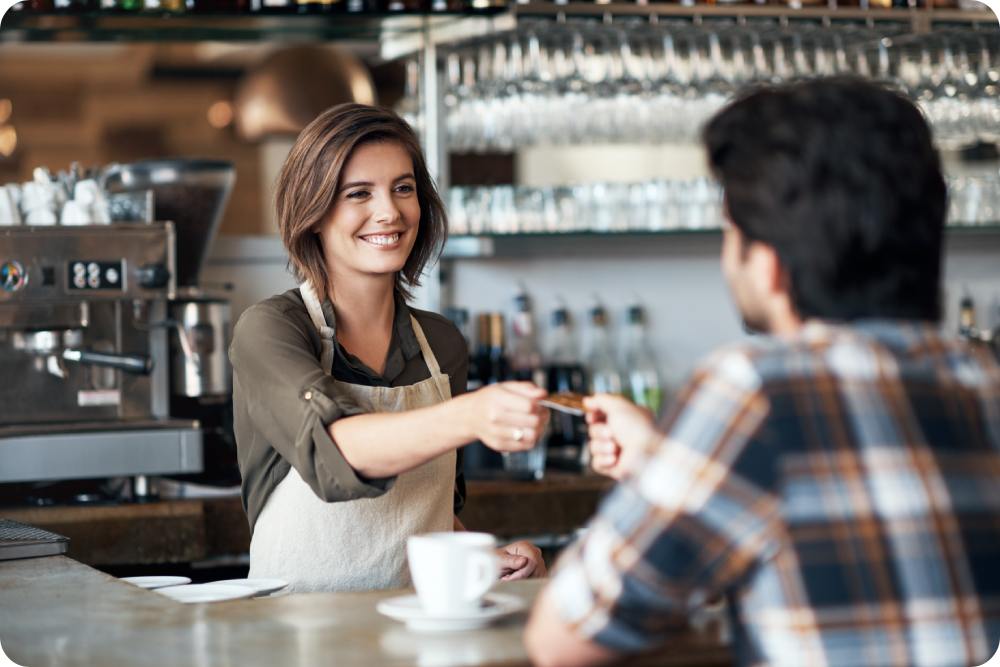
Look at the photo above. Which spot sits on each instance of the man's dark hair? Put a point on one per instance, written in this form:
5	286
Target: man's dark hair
840	177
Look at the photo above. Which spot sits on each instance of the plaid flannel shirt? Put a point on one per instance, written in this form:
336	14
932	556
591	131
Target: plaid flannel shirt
842	489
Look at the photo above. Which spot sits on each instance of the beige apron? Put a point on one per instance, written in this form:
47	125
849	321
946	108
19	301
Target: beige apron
356	544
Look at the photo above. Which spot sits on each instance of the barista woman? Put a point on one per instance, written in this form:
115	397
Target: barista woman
349	405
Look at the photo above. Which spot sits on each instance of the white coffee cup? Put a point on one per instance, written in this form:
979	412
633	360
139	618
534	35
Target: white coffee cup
452	571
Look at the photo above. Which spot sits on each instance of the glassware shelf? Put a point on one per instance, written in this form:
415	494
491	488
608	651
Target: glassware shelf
920	17
541	244
102	27
31	27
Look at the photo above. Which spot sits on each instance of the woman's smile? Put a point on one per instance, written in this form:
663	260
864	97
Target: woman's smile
383	241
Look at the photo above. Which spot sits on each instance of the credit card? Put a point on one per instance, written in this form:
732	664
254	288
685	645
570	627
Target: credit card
565	401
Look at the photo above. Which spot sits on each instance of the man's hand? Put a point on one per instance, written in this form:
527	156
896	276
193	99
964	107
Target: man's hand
520	560
551	643
619	431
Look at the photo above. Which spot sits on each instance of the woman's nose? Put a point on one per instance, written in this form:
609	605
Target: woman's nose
385	208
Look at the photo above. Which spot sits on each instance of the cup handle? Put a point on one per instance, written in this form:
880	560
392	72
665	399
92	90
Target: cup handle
480	575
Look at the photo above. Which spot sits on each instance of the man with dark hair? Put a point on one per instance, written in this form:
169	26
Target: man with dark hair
837	480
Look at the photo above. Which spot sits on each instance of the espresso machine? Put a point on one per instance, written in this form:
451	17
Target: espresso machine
84	355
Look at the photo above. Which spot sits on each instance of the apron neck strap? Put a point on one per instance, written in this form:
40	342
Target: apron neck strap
315	308
429	358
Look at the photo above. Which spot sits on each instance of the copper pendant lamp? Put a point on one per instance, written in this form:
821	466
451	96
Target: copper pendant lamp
289	89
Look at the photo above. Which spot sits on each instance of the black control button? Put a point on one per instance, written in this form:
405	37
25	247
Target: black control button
153	276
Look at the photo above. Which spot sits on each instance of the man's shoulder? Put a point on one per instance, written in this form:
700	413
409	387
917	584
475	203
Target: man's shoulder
768	358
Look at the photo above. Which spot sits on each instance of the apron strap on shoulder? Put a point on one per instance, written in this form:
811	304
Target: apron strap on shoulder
429	358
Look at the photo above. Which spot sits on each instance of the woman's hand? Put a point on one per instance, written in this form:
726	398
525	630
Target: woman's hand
521	560
619	431
505	416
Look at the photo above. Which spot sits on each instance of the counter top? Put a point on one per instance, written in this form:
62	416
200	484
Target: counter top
178	531
56	611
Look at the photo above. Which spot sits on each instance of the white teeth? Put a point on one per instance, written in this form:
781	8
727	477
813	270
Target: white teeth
382	239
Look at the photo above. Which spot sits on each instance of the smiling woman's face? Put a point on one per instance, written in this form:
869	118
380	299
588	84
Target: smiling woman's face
375	216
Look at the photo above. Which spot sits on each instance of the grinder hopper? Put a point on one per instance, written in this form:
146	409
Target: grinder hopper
191	192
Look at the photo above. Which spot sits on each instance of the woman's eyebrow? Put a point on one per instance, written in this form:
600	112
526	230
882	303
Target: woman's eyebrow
347	186
355	184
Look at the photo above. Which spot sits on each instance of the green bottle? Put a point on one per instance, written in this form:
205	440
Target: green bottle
121	6
642	379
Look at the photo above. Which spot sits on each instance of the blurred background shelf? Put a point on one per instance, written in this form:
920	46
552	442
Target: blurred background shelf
919	15
403	33
651	243
103	27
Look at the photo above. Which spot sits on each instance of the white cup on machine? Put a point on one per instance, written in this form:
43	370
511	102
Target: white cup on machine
452	571
9	213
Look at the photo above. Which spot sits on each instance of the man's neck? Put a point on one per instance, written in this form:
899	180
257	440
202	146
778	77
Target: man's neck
784	324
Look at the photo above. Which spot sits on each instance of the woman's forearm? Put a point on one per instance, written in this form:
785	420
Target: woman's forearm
389	443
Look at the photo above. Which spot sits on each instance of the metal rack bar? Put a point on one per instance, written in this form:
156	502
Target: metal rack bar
825	14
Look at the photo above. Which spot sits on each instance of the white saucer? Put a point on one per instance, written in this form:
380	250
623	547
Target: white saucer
260	586
406	608
206	593
157	582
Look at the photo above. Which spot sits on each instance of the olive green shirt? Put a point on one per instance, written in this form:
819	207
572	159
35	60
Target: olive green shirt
283	402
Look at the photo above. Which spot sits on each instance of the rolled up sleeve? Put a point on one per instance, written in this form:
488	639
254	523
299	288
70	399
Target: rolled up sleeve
283	406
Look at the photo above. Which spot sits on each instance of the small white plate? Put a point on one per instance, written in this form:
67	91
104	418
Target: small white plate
260	586
406	608
157	582
206	593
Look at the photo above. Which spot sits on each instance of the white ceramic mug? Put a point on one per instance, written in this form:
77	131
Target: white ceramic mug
452	571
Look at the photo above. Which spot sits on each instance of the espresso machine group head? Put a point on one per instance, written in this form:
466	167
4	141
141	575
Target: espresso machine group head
84	357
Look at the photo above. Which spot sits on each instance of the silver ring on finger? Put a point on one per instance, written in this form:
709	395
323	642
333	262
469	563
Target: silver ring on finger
518	435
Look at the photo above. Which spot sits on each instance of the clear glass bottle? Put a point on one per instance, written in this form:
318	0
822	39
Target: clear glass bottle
643	383
525	364
408	106
525	355
604	375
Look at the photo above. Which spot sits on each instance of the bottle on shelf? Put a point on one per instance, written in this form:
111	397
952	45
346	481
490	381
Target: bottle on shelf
320	6
604	375
121	6
272	6
487	367
402	6
491	361
217	6
76	6
642	379
362	6
565	373
164	6
967	318
525	356
447	5
460	318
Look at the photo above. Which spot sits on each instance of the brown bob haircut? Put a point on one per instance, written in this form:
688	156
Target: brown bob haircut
308	183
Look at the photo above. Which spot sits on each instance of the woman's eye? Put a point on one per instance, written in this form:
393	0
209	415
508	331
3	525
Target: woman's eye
405	188
357	194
